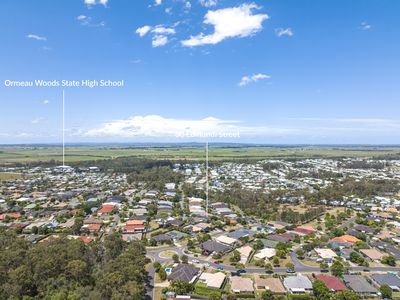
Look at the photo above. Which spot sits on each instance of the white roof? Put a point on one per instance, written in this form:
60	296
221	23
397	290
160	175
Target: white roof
265	253
226	240
325	253
213	280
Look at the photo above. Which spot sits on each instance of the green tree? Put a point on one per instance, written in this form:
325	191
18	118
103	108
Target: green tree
386	291
389	260
346	295
320	290
337	268
175	258
267	295
181	287
184	259
157	266
162	274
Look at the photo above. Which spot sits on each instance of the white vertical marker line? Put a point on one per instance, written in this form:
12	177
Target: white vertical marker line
206	179
63	126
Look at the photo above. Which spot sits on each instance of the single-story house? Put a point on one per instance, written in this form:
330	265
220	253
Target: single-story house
272	284
372	254
392	280
223	239
333	283
265	253
212	280
326	254
241	285
298	284
360	285
184	272
210	246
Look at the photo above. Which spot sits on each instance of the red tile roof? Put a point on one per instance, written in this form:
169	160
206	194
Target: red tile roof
131	228
105	209
331	282
94	227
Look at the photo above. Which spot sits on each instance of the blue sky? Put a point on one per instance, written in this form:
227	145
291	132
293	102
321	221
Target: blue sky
262	71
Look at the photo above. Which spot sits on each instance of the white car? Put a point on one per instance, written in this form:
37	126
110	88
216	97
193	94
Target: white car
195	261
206	264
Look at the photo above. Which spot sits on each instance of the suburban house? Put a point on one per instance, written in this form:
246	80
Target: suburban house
265	253
241	285
299	284
372	254
212	280
210	246
272	284
333	283
326	254
392	280
360	285
184	272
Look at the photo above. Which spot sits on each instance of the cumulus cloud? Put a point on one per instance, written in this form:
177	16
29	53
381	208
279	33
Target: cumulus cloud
208	3
159	40
46	102
36	37
94	2
365	26
157	2
159	34
228	23
283	31
157	126
245	80
142	31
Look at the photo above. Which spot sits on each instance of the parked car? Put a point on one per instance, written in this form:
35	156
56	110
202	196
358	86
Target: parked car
220	268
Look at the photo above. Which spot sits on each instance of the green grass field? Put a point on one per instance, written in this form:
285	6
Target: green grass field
19	154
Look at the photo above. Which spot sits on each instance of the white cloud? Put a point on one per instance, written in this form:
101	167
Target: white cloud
159	34
87	21
160	29
157	126
159	40
46	102
365	26
142	31
157	2
94	2
36	37
245	80
168	10
208	3
228	23
188	5
37	120
283	31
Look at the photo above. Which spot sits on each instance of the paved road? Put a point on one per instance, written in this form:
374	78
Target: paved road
150	283
299	266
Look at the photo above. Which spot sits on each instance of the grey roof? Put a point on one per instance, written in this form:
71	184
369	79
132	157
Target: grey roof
298	282
184	272
212	246
177	234
359	284
162	237
240	233
391	280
